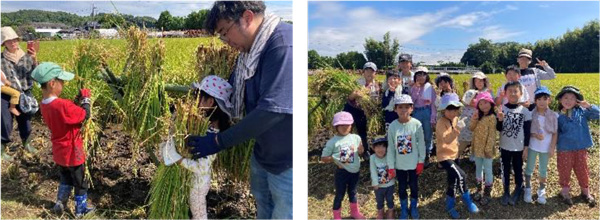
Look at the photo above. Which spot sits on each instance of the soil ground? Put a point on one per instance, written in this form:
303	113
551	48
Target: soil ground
29	184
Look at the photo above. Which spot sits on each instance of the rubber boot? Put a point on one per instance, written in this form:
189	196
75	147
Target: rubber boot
62	197
81	207
390	214
487	195
5	156
355	211
380	214
469	203
337	214
28	147
403	209
414	211
450	203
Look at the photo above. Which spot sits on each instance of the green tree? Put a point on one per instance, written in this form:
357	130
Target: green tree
195	20
164	20
350	60
382	53
479	53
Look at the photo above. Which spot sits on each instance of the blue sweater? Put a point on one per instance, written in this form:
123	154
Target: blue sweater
574	132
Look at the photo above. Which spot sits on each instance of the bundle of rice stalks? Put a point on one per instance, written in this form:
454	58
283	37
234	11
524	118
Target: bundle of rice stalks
87	64
144	99
170	188
216	60
219	60
335	86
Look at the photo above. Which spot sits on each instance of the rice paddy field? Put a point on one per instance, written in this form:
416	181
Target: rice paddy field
131	115
432	182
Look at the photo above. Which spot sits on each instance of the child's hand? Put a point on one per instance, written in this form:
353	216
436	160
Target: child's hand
584	104
475	116
552	150
526	104
538	136
525	154
419	168
500	114
391	173
375	188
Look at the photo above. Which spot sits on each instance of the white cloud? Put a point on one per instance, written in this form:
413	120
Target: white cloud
544	6
496	32
466	20
512	8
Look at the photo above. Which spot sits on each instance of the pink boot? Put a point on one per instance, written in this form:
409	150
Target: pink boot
337	214
354	212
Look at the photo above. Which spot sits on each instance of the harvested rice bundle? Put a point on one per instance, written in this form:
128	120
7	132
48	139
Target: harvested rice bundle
170	187
216	60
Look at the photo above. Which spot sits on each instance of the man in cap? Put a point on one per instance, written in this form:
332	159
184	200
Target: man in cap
530	77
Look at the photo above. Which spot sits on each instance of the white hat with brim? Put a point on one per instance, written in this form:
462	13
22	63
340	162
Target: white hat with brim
8	34
448	100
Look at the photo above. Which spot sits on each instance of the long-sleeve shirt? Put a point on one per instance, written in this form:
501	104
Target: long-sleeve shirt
201	167
446	138
64	119
344	150
574	131
530	79
515	129
406	144
422	95
387	103
379	175
484	136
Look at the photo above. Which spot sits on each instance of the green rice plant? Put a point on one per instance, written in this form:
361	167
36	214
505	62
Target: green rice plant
170	187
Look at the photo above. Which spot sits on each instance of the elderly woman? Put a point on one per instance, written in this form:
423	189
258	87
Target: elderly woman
17	65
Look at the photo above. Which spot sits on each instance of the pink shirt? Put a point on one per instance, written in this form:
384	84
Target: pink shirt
420	95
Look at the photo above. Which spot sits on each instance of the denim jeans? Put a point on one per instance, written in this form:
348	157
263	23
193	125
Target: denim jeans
273	193
23	120
484	166
385	194
423	114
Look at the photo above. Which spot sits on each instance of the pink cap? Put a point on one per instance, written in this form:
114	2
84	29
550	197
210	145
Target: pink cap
342	118
484	96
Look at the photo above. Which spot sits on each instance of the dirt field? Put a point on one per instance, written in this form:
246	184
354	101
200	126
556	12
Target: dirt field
432	191
30	183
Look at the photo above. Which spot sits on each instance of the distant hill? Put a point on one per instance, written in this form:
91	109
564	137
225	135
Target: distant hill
26	17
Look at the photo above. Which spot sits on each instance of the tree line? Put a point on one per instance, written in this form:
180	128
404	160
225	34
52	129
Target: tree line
575	51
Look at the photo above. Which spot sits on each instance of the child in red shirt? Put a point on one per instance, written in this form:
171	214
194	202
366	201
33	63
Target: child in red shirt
64	119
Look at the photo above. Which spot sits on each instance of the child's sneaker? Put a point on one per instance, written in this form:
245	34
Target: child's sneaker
527	198
589	199
541	196
566	199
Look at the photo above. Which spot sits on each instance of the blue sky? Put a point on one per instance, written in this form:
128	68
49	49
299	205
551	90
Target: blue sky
137	8
433	31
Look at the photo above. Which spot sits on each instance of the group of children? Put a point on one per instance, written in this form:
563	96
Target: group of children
64	118
528	131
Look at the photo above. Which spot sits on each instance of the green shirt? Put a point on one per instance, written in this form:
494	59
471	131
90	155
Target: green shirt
406	145
379	174
344	150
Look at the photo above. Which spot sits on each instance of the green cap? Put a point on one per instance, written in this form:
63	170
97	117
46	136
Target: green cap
47	71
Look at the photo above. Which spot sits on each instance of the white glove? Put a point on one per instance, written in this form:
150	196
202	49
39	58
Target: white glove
170	155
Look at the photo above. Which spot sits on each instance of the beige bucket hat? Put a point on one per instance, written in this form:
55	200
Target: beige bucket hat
8	34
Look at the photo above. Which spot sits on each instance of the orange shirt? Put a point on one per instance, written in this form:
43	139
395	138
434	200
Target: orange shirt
446	137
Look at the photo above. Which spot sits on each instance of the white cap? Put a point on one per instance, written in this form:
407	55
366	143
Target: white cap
370	65
422	69
403	99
